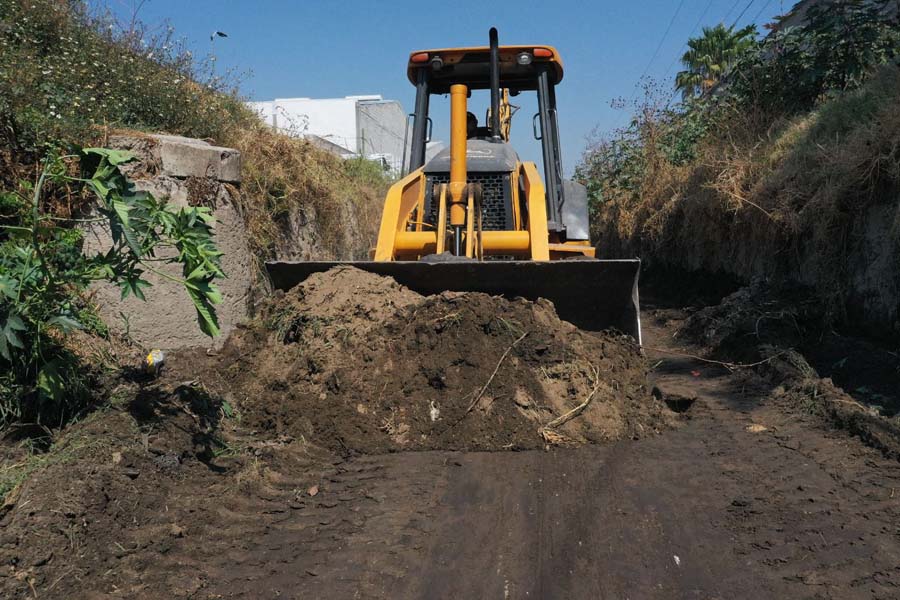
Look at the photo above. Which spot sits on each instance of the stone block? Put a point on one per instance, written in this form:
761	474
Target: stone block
186	157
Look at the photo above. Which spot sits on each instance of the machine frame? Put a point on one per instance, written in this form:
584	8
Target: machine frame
538	230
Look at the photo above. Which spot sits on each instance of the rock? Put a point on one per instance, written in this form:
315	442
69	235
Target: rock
131	472
186	157
167	461
522	399
434	412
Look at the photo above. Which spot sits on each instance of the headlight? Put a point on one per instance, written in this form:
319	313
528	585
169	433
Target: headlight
524	58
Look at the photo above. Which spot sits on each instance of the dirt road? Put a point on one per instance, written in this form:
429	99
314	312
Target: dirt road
713	509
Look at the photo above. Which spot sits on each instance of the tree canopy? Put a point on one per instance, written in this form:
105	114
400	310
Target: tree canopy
710	55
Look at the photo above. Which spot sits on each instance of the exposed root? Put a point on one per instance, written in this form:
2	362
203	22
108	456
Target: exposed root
494	374
728	365
553	437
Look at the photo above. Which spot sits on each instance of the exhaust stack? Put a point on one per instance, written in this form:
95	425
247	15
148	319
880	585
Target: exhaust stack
495	84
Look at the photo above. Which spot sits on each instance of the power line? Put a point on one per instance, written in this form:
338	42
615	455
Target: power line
690	35
730	10
749	4
379	125
693	31
756	18
658	48
700	20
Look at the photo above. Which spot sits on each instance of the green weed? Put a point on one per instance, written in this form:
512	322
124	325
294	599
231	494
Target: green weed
44	274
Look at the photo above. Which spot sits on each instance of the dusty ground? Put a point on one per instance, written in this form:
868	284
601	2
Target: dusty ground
747	495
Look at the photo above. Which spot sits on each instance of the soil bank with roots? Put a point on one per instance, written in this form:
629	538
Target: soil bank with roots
355	362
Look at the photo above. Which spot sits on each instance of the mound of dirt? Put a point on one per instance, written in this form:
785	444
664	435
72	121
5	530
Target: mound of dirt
782	330
760	314
353	361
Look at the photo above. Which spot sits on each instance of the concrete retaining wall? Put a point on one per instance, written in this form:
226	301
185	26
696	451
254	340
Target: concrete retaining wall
185	172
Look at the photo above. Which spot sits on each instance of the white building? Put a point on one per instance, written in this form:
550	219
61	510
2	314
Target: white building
366	126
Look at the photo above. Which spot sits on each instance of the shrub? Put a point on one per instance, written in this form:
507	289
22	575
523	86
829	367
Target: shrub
622	162
44	273
834	50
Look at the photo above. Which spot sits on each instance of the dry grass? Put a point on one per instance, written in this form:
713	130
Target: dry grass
301	201
782	200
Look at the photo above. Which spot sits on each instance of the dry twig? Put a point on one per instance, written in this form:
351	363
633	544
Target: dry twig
728	365
491	378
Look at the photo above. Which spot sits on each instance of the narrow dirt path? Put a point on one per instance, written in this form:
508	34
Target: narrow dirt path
710	510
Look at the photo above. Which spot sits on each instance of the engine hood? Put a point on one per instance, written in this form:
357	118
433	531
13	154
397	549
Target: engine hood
482	156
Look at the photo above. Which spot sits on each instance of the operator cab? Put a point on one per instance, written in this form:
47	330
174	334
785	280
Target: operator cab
520	67
490	159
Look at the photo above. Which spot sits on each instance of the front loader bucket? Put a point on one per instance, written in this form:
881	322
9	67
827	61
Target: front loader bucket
591	294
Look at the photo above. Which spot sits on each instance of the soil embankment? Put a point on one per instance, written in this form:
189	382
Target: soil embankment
810	199
783	332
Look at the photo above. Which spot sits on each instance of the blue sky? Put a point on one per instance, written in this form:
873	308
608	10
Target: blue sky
316	48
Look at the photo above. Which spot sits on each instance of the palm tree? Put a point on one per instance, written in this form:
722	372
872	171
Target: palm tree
710	56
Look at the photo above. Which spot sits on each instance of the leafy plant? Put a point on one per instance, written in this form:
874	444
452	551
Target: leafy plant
836	49
43	271
710	55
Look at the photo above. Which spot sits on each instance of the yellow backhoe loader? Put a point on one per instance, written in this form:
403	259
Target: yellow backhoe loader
476	218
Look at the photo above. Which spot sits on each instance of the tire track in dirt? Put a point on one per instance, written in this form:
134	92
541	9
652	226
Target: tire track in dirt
349	540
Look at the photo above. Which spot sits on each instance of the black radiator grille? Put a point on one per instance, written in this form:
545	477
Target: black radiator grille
496	200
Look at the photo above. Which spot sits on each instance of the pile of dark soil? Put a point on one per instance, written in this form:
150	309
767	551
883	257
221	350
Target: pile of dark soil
757	315
353	361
